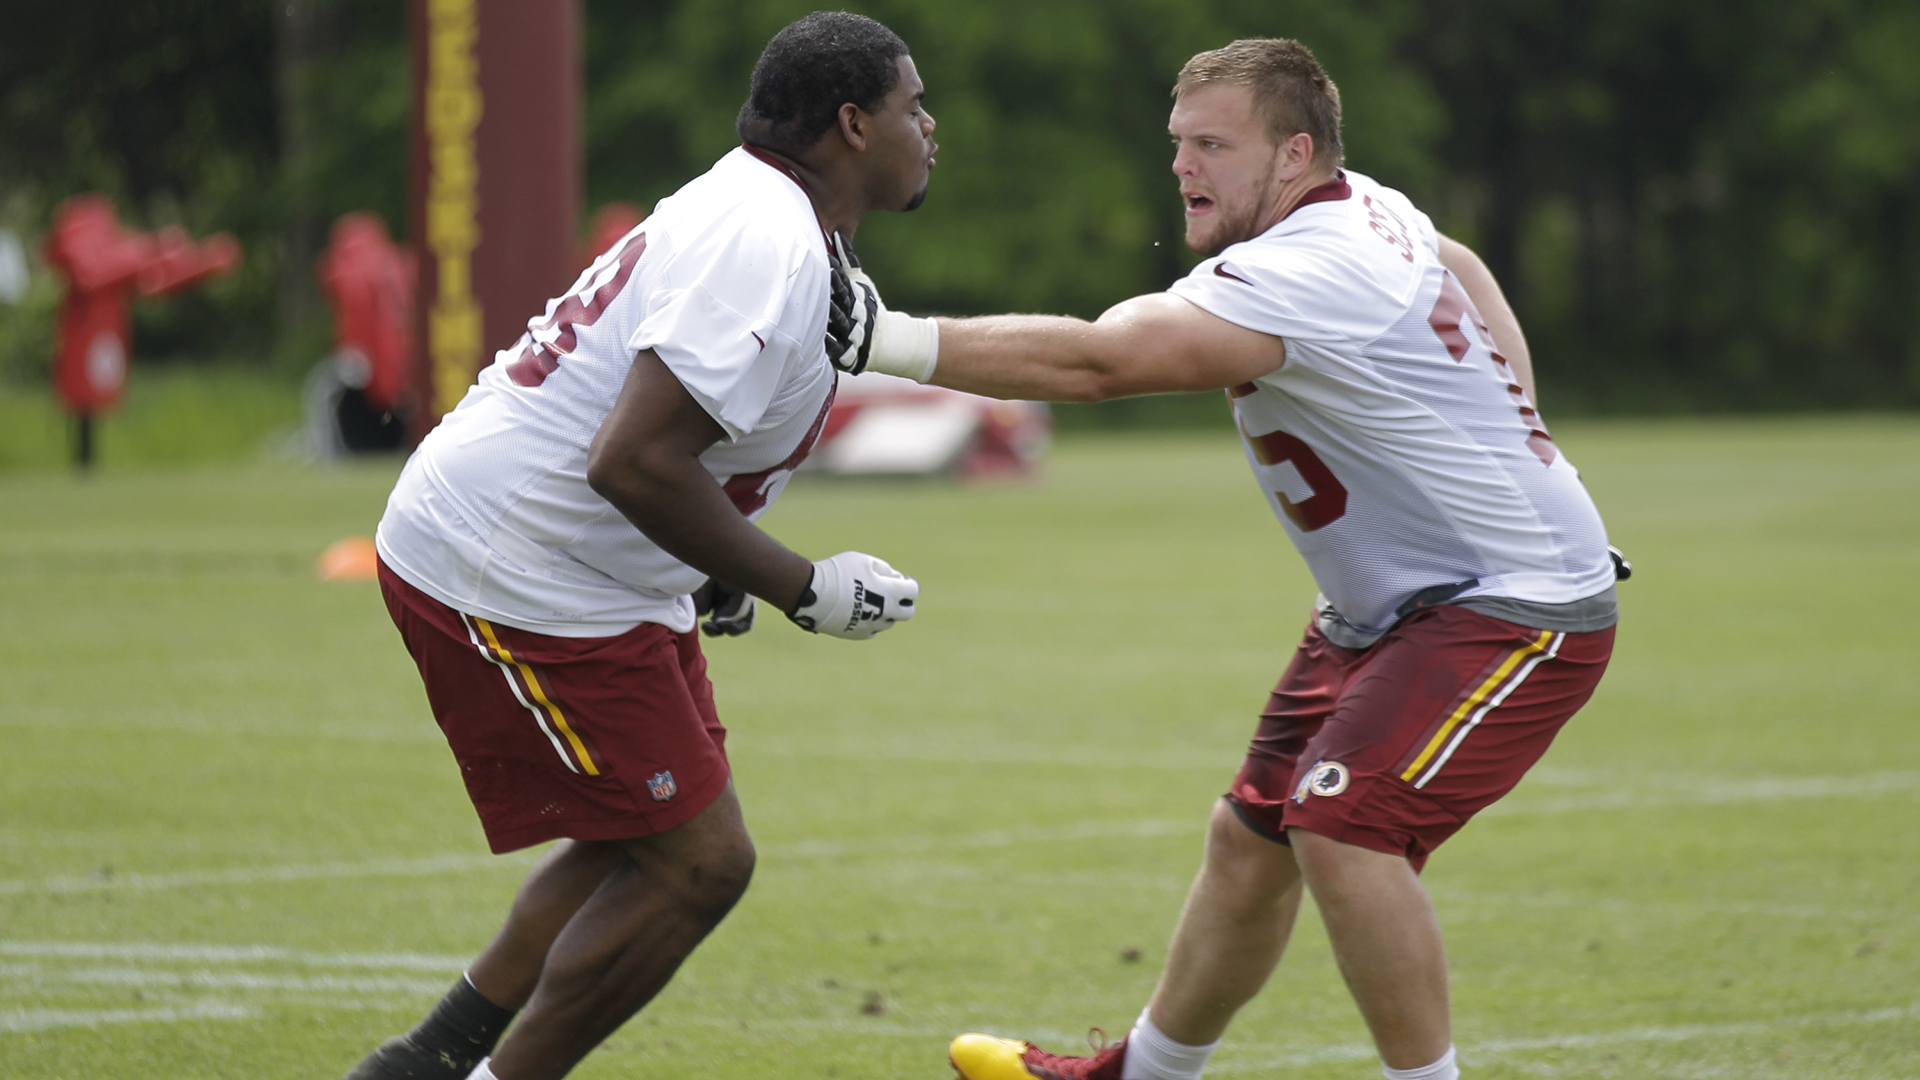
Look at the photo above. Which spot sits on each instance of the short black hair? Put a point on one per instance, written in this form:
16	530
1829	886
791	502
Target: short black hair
810	69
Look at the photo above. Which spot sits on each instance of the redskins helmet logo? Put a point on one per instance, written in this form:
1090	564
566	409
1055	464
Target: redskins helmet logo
1326	778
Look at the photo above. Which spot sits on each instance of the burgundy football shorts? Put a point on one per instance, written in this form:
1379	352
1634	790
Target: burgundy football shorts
1394	748
607	738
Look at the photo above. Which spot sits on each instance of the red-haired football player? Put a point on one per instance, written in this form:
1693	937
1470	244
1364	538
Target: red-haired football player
1382	388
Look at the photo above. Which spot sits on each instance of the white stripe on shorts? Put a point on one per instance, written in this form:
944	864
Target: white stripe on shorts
1512	684
514	685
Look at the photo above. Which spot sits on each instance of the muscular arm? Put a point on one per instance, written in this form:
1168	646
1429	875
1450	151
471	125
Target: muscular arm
645	460
1485	293
1152	344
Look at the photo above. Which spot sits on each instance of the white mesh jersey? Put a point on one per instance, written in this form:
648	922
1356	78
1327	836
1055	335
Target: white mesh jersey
1394	444
727	282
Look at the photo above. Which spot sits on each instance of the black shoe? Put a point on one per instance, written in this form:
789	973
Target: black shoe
400	1058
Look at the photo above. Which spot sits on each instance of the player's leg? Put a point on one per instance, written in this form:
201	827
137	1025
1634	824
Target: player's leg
605	737
1232	931
507	970
1386	939
1446	715
466	1024
1238	915
628	939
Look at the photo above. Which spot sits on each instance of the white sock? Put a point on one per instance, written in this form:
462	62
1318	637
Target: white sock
1151	1055
1444	1069
481	1072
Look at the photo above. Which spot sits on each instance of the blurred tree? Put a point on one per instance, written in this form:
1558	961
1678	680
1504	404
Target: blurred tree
1696	206
266	119
154	102
160	106
1053	191
343	92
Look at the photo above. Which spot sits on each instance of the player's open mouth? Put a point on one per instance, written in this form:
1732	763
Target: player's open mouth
1197	204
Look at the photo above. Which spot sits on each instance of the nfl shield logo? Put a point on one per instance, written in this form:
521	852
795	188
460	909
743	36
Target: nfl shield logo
661	786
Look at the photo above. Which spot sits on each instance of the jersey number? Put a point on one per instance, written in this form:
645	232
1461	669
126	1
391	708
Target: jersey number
555	336
1327	504
1389	226
1451	312
750	492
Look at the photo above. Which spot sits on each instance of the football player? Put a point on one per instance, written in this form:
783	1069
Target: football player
542	551
1382	389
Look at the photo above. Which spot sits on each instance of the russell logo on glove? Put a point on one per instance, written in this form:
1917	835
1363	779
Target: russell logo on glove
864	598
842	600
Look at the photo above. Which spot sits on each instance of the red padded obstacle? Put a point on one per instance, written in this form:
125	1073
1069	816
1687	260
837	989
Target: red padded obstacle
105	264
368	281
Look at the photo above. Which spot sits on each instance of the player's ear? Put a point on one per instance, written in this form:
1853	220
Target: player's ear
852	123
1296	154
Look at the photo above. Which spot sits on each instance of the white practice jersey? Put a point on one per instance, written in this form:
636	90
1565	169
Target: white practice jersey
727	282
1395	445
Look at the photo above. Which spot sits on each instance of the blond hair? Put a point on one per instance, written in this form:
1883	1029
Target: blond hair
1290	89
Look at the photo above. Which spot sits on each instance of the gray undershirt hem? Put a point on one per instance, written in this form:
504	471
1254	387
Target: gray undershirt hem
1596	612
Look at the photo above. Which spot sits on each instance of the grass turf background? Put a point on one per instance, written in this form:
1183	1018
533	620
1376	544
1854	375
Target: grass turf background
222	773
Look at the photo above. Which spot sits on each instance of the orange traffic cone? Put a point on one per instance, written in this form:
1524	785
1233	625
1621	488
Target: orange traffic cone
352	559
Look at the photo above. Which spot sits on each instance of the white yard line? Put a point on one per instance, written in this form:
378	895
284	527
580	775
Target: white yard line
229	954
444	864
433	864
20	1020
212	980
422	734
861	1026
1705	792
1469	1049
1716	792
993	838
1449	897
1047	756
15	1021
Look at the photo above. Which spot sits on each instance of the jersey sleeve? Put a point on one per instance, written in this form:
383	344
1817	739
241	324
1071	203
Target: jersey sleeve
727	316
1325	278
1268	295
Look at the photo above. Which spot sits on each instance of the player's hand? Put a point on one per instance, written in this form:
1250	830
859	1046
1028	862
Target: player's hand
853	307
730	609
855	596
862	334
1622	569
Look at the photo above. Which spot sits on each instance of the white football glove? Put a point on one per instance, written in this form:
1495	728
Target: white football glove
855	596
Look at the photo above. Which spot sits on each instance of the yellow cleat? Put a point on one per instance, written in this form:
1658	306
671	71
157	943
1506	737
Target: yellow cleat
986	1057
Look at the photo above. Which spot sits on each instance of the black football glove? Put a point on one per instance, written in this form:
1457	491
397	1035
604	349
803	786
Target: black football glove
731	610
1622	569
853	304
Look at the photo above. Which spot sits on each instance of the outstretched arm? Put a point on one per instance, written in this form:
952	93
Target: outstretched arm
646	462
1485	293
1153	344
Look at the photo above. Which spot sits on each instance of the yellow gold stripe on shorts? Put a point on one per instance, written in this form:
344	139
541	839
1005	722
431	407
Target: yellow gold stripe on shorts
1479	694
539	695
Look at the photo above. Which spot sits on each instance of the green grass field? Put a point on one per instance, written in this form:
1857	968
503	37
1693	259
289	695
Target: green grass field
232	843
181	415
